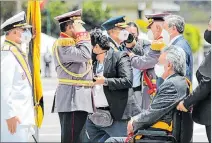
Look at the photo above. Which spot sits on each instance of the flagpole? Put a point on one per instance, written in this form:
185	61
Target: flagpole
30	61
32	58
36	134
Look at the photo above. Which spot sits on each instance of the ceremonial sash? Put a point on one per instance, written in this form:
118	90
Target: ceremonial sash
152	86
19	57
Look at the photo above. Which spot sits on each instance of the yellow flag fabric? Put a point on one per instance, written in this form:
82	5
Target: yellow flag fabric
34	19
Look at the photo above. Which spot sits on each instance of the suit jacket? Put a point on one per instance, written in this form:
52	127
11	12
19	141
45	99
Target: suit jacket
181	42
172	90
75	57
118	73
16	91
201	96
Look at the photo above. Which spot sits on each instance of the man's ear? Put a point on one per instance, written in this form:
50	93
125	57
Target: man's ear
69	27
174	28
13	31
170	65
110	31
159	28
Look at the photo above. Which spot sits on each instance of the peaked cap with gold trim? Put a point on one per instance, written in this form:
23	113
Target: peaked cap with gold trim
18	20
155	17
70	16
119	21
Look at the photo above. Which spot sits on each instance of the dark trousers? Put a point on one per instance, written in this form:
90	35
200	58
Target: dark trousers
208	132
71	125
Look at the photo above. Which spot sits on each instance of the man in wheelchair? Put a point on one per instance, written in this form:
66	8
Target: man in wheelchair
158	118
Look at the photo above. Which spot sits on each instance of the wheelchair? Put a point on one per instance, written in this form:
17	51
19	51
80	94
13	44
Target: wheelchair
182	131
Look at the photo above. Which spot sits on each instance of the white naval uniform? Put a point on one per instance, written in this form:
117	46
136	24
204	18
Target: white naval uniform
16	99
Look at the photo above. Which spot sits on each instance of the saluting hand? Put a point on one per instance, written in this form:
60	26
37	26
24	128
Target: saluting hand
12	124
78	27
181	107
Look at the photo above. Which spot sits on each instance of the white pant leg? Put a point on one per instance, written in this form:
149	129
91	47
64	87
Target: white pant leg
21	135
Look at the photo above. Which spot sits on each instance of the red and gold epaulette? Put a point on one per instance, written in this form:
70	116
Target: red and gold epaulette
157	45
65	42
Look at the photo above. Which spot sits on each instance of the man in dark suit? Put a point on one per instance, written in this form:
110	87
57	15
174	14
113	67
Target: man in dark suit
113	79
175	26
171	67
201	96
117	34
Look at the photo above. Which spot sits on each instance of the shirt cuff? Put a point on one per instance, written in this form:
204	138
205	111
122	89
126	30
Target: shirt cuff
186	103
10	115
106	82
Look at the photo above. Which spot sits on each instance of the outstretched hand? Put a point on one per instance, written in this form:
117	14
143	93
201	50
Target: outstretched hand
78	27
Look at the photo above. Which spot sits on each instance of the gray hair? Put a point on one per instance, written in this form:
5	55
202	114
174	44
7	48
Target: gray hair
177	21
176	56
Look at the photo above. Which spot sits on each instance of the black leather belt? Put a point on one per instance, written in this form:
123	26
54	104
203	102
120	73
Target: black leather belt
138	88
103	108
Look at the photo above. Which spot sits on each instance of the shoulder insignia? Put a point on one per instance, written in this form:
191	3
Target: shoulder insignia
5	47
65	42
157	45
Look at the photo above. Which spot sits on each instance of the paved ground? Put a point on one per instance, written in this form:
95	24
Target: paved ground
50	131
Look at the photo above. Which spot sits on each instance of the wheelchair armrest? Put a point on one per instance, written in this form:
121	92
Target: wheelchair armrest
156	134
152	133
